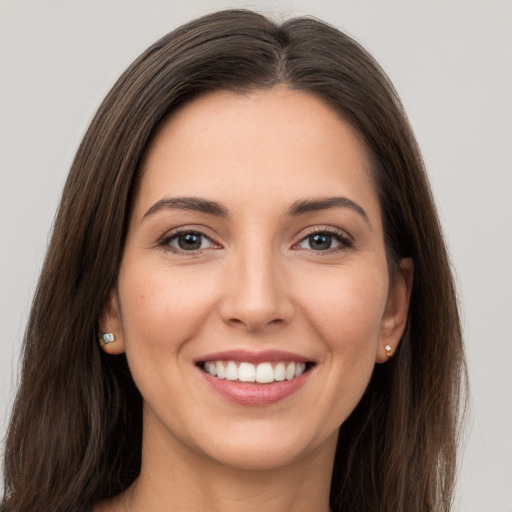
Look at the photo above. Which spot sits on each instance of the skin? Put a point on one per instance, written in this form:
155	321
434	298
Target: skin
257	283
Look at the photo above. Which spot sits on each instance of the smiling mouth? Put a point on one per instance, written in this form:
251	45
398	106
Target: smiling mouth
262	373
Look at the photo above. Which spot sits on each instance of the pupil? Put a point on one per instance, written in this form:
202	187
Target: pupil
320	241
189	241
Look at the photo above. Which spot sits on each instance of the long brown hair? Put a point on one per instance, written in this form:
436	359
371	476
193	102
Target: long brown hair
75	433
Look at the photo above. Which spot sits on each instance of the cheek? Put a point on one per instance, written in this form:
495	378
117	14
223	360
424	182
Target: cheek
346	306
163	308
343	307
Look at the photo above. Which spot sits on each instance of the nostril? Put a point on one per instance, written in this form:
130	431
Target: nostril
253	321
256	311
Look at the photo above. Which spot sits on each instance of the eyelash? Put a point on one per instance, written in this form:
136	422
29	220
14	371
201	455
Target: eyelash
166	241
339	236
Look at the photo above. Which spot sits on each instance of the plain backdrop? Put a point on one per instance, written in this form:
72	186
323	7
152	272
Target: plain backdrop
451	63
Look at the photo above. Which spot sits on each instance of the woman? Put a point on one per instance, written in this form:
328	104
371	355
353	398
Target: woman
246	230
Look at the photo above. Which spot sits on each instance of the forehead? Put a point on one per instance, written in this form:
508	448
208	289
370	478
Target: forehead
268	146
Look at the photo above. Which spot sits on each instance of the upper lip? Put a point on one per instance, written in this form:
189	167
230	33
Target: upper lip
254	357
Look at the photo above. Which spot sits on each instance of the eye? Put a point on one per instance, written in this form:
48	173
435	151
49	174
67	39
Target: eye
324	241
187	241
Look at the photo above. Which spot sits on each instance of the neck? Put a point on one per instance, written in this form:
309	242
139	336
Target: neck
175	478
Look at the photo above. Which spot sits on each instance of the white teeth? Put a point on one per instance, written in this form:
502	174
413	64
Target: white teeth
290	371
231	371
211	368
246	372
263	373
219	367
279	372
300	368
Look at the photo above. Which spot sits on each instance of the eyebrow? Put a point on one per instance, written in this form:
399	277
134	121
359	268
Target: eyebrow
190	204
313	205
300	207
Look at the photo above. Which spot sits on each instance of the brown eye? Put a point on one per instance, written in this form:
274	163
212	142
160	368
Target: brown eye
188	241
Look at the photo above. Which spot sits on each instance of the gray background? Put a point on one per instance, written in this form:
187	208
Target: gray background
451	63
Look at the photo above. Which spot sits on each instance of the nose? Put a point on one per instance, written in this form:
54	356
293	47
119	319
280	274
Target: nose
257	292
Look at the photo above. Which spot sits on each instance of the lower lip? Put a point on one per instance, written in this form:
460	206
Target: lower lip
249	393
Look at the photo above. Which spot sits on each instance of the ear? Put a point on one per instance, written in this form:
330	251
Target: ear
110	322
394	319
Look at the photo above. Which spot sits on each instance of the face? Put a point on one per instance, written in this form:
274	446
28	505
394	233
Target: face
254	296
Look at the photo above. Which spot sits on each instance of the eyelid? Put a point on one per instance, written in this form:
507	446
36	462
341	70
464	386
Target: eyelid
164	241
341	235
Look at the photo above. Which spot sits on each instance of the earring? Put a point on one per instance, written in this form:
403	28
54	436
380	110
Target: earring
106	338
389	350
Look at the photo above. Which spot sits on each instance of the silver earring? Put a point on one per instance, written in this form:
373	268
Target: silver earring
106	338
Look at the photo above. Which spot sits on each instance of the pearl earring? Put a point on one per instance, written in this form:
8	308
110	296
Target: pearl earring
389	350
106	338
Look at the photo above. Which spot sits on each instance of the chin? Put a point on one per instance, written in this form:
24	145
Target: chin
264	450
